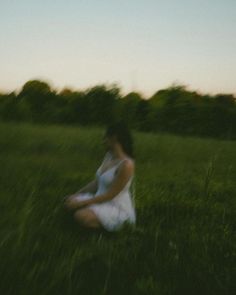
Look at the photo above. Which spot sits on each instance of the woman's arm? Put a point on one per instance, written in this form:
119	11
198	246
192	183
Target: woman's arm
91	187
123	176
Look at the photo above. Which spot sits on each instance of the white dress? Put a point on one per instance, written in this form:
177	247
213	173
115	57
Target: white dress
113	213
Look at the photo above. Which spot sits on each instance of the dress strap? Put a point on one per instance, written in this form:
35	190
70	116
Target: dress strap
106	157
119	163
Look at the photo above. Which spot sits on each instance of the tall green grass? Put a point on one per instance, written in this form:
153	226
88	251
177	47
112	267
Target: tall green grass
184	241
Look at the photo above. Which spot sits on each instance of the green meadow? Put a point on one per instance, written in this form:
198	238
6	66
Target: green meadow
184	241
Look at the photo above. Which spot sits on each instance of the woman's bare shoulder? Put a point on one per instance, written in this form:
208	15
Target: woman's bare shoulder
129	164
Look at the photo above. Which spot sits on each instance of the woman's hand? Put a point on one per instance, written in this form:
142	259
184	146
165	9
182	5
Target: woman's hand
72	203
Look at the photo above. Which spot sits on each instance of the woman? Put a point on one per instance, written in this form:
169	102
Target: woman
106	202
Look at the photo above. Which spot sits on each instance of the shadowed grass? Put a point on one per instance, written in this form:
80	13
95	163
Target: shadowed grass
184	241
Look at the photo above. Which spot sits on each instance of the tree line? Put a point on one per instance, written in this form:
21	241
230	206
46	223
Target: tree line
174	109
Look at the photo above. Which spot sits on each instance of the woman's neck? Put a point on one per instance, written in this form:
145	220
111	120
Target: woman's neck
117	153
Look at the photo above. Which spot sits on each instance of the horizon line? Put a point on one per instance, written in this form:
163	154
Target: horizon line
58	89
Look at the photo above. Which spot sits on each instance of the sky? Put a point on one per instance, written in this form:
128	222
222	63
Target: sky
139	45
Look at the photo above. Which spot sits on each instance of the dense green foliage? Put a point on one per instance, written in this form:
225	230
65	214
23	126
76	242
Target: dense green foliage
184	241
174	110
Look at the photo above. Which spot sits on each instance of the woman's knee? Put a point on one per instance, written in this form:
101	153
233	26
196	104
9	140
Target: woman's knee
79	215
86	218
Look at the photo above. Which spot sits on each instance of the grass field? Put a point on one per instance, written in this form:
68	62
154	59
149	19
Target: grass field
184	241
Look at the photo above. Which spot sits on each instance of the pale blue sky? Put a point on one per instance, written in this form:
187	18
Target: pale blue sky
142	45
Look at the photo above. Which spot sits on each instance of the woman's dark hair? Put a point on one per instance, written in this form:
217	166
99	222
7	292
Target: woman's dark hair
121	131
